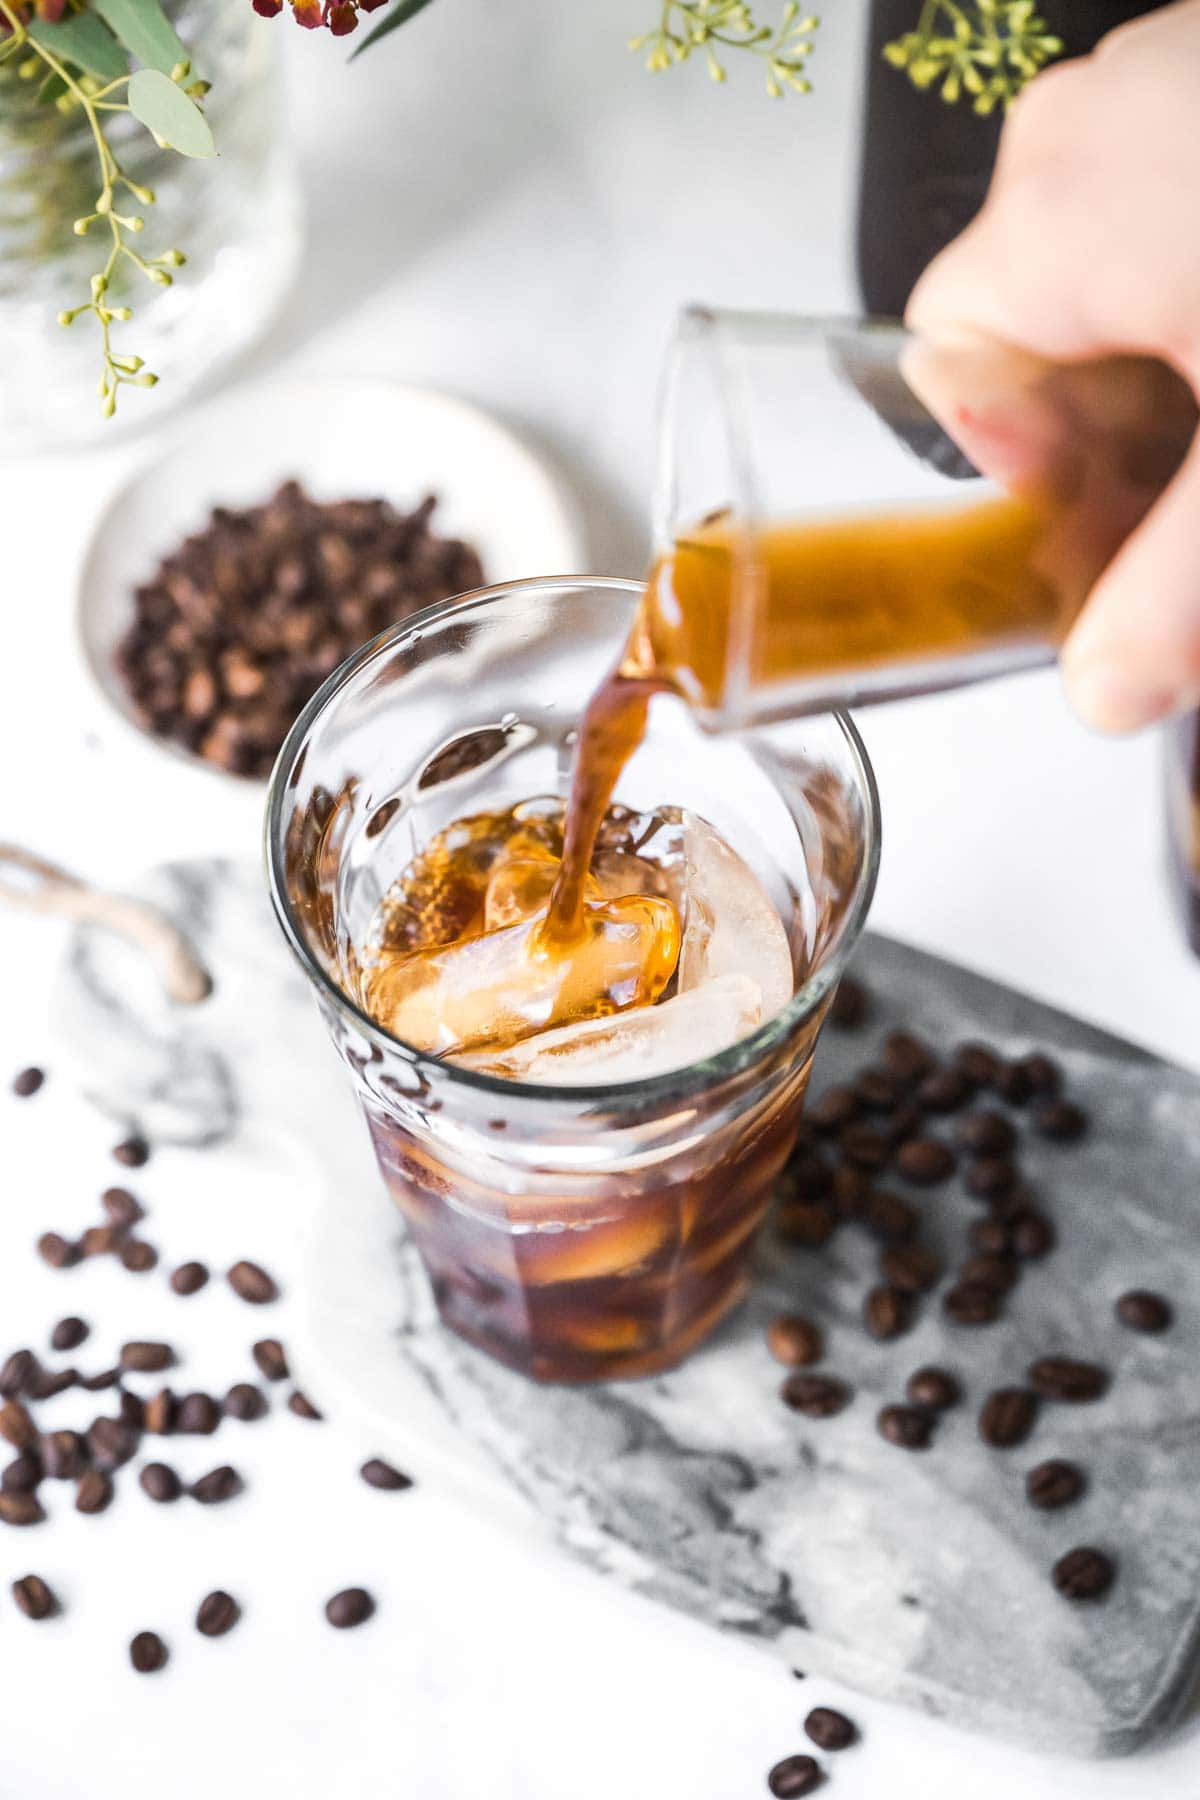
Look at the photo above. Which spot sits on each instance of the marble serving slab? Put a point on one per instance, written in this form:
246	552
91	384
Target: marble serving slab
922	1578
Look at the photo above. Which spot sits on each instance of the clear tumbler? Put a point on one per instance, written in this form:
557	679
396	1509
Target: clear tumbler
575	1233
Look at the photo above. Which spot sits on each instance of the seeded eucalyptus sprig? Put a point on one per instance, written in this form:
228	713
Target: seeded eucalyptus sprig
987	50
709	27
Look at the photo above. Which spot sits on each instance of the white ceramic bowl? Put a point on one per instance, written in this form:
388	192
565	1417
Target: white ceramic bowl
341	437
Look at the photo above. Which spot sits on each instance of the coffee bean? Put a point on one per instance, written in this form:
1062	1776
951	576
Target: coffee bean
133	1152
138	1256
35	1598
302	1406
160	1410
121	1208
133	1411
851	1004
890	1218
805	1224
353	1606
188	1278
829	1730
21	1474
1139	1310
993	1237
111	1442
1084	1574
64	1455
911	1267
816	1396
906	1057
218	1485
17	1373
1060	1120
46	1383
244	1401
148	1653
794	1776
837	1108
849	1192
160	1482
807	1177
924	1161
1053	1484
270	1359
95	1384
944	1091
93	1491
1042	1073
146	1357
1007	1417
252	1283
906	1122
997	1273
933	1388
987	1176
968	1303
795	1341
985	1134
978	1062
27	1082
1012	1202
1014	1084
54	1249
887	1312
864	1146
379	1474
68	1334
878	1091
101	1240
1033	1235
17	1426
197	1413
217	1613
1064	1378
906	1426
19	1507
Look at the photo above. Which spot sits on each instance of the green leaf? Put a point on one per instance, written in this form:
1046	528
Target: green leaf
166	110
84	41
400	12
145	31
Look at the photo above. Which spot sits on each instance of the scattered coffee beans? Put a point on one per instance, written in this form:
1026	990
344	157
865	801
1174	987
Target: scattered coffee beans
1007	1417
996	1273
1032	1234
985	1134
188	1278
138	1256
19	1507
244	1401
988	1176
816	1396
17	1372
906	1057
889	1217
198	1414
1084	1574
35	1598
1138	1310
837	1108
146	1358
160	1482
111	1442
911	1267
270	1359
865	1147
925	1161
93	1491
54	1249
794	1777
353	1606
17	1426
218	1485
978	1062
1063	1378
68	1334
878	1091
27	1082
159	1412
1054	1484
804	1223
909	1427
795	1341
851	1004
970	1303
830	1730
96	1383
217	1613
302	1406
888	1312
101	1240
252	1284
1060	1120
132	1152
22	1474
121	1208
148	1653
379	1474
944	1091
64	1455
934	1389
1014	1084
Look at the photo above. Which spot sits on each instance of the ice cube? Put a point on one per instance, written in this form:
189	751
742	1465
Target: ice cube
632	1046
732	927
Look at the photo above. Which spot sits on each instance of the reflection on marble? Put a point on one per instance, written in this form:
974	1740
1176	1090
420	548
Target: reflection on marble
923	1578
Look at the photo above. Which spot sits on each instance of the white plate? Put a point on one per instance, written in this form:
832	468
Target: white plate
341	437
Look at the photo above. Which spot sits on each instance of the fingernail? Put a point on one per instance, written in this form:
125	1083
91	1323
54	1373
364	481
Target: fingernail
1109	699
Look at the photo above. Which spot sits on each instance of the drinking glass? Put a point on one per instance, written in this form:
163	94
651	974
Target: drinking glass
575	1233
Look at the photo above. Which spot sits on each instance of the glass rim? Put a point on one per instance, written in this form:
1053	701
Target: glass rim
676	1084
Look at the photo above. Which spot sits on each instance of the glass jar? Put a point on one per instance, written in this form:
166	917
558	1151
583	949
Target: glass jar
576	1233
236	216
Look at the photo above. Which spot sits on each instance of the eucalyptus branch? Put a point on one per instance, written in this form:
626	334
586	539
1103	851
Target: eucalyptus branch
987	49
689	26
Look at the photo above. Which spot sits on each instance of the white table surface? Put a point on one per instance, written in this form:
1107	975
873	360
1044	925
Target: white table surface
504	206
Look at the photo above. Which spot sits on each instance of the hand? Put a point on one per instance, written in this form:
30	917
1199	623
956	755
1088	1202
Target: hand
1089	244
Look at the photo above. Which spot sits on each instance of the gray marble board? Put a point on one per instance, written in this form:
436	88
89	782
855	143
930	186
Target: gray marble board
920	1578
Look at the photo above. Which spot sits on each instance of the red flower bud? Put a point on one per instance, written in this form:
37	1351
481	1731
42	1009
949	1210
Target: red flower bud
269	9
307	13
342	18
